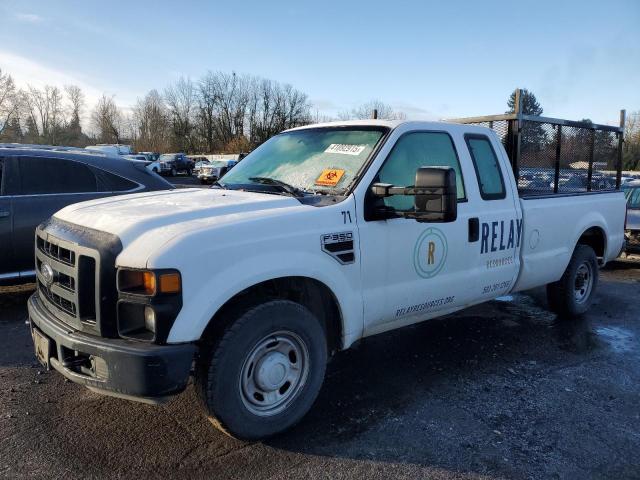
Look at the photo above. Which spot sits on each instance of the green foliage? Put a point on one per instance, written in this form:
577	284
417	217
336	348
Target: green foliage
530	104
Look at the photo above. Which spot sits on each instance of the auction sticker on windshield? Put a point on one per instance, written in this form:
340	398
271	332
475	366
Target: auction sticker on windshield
330	177
345	149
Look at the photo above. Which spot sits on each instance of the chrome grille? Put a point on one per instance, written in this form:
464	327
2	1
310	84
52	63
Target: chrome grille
58	270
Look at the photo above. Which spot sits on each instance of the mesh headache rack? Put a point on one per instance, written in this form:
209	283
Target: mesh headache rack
550	156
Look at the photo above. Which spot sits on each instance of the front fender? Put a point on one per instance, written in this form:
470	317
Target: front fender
203	297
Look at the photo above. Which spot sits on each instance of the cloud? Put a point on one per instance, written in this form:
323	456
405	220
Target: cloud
29	17
28	72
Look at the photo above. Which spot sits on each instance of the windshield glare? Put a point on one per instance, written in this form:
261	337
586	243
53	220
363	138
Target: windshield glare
313	160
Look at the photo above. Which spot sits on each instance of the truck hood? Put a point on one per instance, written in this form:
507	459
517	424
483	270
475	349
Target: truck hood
169	213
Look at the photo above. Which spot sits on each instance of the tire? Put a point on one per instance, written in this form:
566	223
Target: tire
242	376
189	172
174	172
572	295
155	170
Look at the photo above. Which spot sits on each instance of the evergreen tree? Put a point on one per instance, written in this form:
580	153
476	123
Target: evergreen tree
530	104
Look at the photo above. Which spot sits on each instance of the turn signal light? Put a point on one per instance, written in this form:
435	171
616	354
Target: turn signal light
169	282
147	282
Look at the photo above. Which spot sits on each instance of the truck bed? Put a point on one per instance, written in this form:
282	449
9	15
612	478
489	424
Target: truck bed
552	226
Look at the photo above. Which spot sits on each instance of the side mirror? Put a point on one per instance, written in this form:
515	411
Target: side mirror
435	196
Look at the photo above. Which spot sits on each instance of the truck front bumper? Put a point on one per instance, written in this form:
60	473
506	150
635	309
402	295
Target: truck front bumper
123	368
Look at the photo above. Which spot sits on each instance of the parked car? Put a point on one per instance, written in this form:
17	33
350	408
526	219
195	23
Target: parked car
174	163
152	156
113	149
157	167
632	227
35	183
416	220
138	157
215	170
199	164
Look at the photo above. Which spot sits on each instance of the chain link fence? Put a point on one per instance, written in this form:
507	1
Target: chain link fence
554	157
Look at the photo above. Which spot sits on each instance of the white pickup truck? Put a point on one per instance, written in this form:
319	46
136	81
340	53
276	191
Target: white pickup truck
323	235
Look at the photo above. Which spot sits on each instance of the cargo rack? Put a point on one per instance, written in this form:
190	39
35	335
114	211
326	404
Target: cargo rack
551	156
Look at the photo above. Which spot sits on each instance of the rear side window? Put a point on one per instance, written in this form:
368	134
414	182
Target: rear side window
487	168
110	182
40	175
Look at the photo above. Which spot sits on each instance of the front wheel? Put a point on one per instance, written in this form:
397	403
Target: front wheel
263	373
174	172
572	295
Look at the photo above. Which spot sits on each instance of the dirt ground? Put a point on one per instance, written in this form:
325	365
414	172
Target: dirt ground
502	390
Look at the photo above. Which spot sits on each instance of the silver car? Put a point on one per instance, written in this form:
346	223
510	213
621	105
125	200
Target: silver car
215	170
632	229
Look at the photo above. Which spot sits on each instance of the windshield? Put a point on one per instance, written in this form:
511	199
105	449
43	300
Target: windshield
320	160
167	157
633	197
217	163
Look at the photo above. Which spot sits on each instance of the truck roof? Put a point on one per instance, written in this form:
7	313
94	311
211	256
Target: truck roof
427	125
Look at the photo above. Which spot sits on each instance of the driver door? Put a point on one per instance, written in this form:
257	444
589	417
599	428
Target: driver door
412	271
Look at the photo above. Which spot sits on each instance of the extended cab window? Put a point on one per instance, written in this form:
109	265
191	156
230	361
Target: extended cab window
54	175
487	168
415	150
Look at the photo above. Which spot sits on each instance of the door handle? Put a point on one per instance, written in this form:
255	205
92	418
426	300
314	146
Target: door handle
474	229
4	213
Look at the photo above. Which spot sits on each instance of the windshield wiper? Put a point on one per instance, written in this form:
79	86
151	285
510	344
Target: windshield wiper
290	189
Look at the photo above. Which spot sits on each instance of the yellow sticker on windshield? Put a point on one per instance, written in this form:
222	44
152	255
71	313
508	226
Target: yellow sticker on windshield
330	177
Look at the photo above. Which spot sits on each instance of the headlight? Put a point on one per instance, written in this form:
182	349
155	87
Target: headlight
148	303
148	282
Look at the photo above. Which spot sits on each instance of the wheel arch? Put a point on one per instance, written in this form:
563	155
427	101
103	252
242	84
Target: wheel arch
596	238
309	292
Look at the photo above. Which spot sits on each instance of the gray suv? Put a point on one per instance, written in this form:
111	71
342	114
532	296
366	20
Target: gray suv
37	182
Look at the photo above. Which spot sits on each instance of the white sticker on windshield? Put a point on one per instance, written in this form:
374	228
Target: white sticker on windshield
345	149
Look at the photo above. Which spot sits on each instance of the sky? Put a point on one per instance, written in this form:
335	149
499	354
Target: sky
429	59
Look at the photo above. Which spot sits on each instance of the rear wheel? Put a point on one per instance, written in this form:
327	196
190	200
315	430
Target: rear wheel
265	370
572	295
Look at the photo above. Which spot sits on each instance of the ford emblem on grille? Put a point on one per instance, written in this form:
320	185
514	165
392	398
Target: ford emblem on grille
47	273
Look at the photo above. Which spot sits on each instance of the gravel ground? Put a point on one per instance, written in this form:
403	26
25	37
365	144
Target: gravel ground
501	390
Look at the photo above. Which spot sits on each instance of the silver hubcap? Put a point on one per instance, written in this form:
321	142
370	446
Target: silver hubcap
583	283
273	373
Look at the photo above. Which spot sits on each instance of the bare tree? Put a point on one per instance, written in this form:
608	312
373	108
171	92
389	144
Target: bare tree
274	107
45	110
9	100
151	123
181	102
364	111
106	120
631	150
75	106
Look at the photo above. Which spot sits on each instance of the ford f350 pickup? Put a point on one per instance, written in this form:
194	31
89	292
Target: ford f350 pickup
323	235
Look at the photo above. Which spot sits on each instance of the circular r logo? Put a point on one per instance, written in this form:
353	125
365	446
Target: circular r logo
430	253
